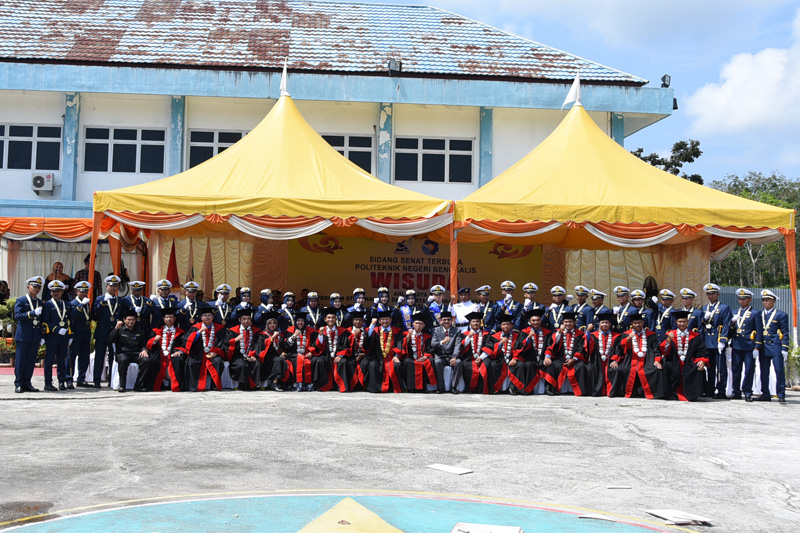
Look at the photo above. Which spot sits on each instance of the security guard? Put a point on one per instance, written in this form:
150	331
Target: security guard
716	326
163	300
486	308
624	309
107	310
80	321
189	307
746	340
584	313
508	305
56	329
223	308
600	308
695	314
141	305
775	349
28	315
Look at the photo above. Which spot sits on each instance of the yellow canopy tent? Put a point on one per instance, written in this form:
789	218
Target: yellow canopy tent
281	181
581	190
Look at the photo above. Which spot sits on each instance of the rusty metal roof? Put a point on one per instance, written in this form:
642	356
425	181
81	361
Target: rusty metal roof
259	34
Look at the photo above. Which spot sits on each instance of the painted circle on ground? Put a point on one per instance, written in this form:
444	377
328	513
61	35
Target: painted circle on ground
310	513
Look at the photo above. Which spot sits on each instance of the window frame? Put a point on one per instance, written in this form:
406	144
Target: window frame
34	139
138	142
214	145
420	151
360	149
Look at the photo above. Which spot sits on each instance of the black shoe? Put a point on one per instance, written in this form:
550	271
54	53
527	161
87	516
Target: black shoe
440	391
84	385
276	388
748	398
781	400
61	386
49	387
30	388
454	391
550	393
512	390
121	389
71	386
721	396
764	399
97	386
736	396
18	390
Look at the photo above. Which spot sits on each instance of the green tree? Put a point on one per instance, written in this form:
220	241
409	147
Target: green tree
754	265
683	152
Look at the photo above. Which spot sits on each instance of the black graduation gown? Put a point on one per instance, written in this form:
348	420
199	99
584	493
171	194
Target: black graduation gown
493	370
637	377
599	366
526	372
576	373
171	367
202	372
299	363
472	348
352	344
326	349
248	374
268	350
683	381
378	371
417	374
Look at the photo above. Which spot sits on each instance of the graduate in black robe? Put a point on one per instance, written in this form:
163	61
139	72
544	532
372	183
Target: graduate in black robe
601	345
416	358
299	345
499	348
474	340
327	349
269	352
637	372
379	369
240	345
204	344
353	347
525	367
685	359
166	346
566	360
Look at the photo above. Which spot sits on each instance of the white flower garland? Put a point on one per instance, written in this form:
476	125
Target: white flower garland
208	340
247	333
333	338
167	340
637	337
683	344
605	345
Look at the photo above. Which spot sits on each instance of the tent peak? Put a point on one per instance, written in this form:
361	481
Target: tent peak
284	77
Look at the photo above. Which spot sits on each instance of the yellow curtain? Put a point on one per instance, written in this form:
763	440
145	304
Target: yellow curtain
216	245
270	259
199	250
554	261
164	251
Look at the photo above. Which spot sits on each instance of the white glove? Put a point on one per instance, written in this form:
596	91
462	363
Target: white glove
187	305
137	309
616	309
376	301
359	307
400	301
153	297
219	302
430	299
107	297
721	347
569	297
553	306
69	343
707	316
85	301
785	354
508	298
270	307
37	311
755	352
527	302
654	299
41	342
283	307
62	331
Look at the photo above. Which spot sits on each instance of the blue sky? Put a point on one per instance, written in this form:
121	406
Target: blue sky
735	68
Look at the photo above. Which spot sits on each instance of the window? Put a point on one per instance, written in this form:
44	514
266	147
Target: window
205	144
356	148
28	147
129	150
433	160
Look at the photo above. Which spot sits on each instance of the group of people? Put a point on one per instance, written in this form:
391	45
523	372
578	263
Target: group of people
638	348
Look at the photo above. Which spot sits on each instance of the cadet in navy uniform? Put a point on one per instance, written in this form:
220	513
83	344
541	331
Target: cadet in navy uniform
107	310
28	315
664	315
312	311
359	298
508	305
624	309
638	298
775	346
381	303
245	297
405	312
164	300
555	313
745	342
486	307
599	307
189	307
716	326
695	314
260	312
222	308
436	305
529	291
288	313
141	305
80	322
584	313
55	321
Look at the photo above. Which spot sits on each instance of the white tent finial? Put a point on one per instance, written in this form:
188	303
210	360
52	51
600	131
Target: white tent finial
574	94
284	76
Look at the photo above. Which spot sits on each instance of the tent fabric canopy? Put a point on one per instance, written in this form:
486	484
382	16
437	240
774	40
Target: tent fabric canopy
282	168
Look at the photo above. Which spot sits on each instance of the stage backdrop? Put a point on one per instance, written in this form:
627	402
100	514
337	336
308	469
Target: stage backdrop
326	264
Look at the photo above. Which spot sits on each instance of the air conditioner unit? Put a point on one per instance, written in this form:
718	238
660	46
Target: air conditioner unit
42	182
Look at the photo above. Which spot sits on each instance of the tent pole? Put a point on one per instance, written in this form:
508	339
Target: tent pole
96	221
791	260
453	262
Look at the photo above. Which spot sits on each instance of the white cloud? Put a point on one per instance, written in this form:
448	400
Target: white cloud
758	93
